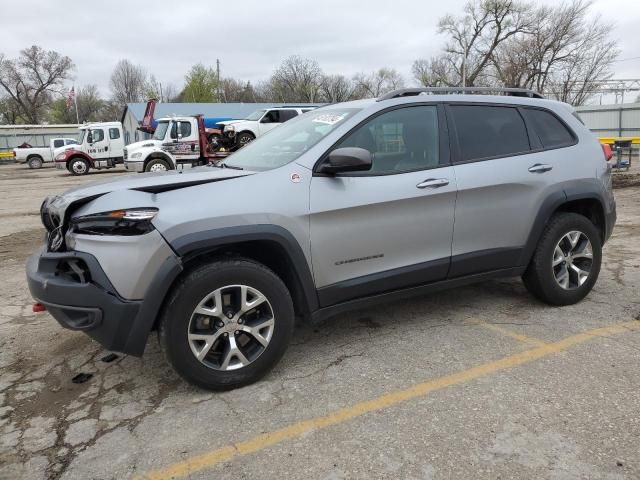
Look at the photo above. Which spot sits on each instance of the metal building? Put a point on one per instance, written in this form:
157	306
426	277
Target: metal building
622	120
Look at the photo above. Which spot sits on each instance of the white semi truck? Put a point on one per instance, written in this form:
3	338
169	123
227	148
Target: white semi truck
100	145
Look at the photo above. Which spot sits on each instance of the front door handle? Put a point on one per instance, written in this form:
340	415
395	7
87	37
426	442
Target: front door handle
433	183
540	168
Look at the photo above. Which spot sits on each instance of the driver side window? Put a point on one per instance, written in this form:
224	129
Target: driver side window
97	135
401	140
272	116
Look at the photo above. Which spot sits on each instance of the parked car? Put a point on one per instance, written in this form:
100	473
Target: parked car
350	205
100	145
35	157
237	133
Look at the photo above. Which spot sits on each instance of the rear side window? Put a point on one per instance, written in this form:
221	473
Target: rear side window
551	132
114	133
58	143
488	131
287	115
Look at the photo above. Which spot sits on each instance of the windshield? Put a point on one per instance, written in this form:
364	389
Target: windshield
257	115
81	136
287	142
161	130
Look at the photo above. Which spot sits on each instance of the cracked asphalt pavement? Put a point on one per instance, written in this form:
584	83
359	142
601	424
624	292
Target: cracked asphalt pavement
481	382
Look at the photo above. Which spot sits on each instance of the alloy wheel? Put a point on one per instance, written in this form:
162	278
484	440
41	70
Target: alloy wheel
572	260
231	327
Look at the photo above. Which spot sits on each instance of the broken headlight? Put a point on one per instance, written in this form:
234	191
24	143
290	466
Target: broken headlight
133	221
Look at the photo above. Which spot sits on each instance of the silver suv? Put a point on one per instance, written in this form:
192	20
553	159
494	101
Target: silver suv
349	205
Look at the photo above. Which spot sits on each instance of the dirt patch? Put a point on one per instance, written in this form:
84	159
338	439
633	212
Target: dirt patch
625	180
19	245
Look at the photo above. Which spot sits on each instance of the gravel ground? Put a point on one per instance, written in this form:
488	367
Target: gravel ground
481	383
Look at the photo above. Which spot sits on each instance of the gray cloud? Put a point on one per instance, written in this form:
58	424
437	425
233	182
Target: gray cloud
251	37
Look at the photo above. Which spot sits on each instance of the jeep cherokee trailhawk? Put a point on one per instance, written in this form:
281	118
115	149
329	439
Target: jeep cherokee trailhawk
348	205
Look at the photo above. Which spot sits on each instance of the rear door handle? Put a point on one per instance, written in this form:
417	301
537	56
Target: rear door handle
540	168
433	183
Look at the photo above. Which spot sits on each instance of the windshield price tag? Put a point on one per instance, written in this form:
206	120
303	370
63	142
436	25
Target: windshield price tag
329	118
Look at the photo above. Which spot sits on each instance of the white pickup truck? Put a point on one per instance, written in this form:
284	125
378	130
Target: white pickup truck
36	156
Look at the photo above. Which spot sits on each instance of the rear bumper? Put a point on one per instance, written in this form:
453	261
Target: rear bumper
91	306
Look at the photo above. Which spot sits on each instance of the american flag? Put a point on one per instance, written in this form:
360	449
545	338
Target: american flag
71	97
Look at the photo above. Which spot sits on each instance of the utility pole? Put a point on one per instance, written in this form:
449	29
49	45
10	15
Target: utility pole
218	79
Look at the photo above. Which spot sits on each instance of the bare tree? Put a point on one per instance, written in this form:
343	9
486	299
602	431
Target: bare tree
475	36
297	79
32	79
377	83
128	82
435	72
565	56
336	88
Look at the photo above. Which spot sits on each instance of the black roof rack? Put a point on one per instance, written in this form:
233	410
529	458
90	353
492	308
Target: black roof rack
409	92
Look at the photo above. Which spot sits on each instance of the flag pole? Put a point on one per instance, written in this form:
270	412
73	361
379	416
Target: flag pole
75	102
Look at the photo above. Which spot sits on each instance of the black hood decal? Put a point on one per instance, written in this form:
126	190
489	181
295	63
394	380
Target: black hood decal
176	186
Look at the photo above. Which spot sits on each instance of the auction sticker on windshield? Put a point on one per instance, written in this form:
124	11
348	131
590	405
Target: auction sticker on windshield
329	118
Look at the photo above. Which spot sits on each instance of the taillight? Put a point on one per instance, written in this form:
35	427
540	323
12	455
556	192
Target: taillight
608	152
13	152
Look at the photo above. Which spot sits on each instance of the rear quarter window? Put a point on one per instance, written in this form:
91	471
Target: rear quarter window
551	132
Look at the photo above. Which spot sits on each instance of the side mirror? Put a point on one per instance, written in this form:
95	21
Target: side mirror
348	159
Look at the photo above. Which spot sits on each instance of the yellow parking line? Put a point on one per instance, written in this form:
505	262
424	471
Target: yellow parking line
260	442
532	341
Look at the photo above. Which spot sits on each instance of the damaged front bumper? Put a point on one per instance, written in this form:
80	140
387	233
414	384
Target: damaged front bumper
77	293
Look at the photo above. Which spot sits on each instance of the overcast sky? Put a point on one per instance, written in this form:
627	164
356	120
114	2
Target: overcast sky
251	37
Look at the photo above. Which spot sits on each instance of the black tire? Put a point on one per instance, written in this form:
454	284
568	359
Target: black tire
539	277
244	138
35	162
157	164
78	166
200	282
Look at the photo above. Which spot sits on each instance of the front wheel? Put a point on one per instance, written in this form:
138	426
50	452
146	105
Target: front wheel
157	165
227	324
78	166
244	138
566	263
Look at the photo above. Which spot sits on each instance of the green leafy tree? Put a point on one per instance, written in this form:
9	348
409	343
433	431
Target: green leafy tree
201	84
90	107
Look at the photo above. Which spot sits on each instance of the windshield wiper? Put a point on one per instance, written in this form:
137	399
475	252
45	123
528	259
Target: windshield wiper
232	167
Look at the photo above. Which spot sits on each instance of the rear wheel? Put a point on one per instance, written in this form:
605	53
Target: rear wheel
157	165
78	166
35	162
566	263
227	324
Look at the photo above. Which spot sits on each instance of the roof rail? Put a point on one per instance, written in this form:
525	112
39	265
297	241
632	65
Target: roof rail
409	92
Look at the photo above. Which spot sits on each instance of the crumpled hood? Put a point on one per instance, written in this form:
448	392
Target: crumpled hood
55	207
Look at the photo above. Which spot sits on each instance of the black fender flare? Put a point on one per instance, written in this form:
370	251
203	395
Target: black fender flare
192	244
569	192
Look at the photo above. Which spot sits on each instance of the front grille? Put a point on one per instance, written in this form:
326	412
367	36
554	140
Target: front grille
125	154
